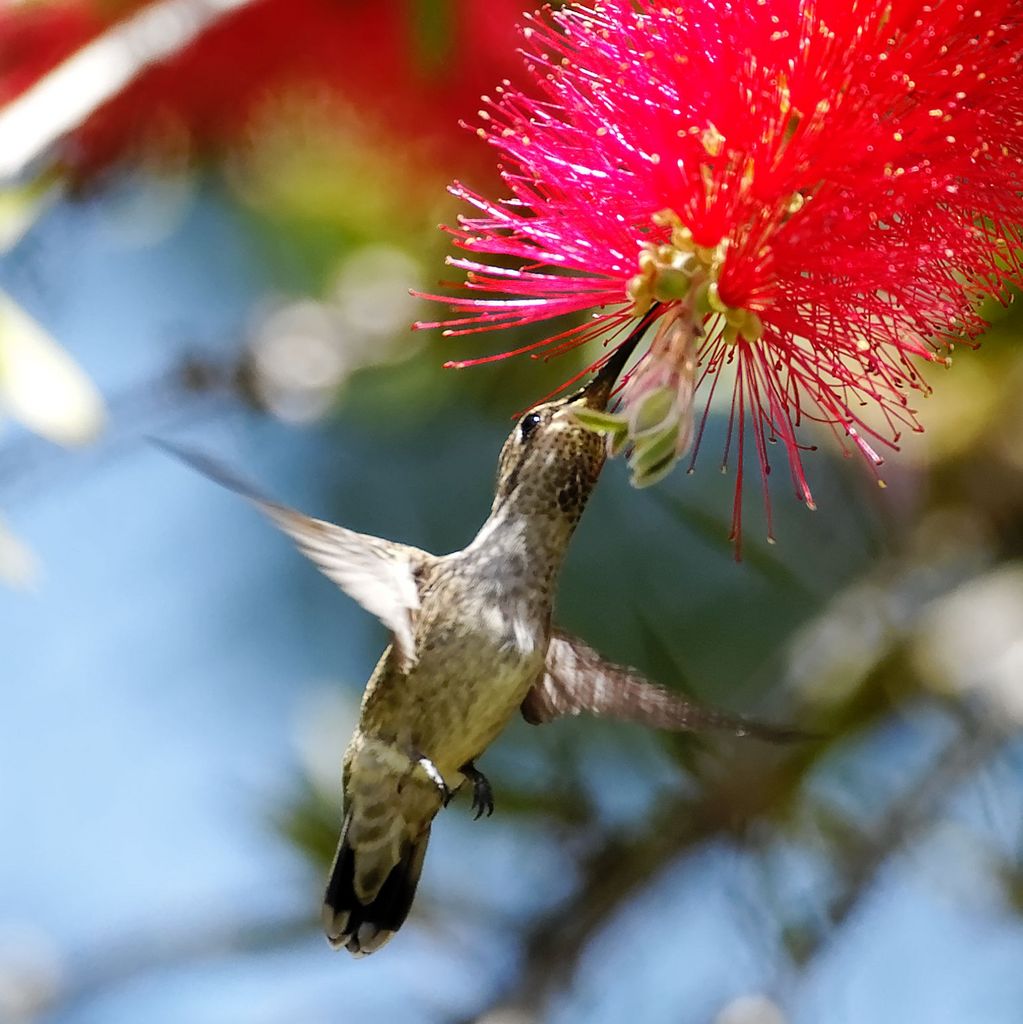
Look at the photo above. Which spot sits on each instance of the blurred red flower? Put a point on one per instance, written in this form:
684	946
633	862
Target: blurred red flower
814	191
414	67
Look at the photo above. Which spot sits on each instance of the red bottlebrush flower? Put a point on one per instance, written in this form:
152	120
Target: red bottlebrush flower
816	192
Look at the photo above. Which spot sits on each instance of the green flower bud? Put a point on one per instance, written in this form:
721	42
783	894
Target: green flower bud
652	411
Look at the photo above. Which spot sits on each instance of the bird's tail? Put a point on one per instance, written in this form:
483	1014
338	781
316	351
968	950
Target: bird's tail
360	927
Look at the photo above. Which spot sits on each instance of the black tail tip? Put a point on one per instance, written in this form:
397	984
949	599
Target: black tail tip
359	938
362	928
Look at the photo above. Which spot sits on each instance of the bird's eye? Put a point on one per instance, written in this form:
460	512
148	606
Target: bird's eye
528	424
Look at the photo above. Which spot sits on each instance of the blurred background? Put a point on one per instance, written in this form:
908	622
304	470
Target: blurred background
211	214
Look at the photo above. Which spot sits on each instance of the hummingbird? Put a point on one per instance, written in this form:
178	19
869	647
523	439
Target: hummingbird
471	644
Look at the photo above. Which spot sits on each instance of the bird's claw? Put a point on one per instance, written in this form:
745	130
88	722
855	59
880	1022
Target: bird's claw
482	794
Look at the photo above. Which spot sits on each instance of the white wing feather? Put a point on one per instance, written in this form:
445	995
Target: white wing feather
381	575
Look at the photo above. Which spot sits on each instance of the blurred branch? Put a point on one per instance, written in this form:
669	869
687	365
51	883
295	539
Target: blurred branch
758	786
34	122
745	792
972	745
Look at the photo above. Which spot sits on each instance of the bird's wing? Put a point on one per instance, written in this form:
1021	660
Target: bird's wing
577	680
381	575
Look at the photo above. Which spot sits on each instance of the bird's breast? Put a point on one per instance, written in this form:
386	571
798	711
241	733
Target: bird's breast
472	673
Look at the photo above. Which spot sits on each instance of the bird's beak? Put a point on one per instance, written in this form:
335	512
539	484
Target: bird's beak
597	392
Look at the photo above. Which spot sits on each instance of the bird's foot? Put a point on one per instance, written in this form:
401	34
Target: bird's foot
436	778
482	794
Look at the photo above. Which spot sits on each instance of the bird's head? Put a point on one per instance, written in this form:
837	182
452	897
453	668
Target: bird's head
551	461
